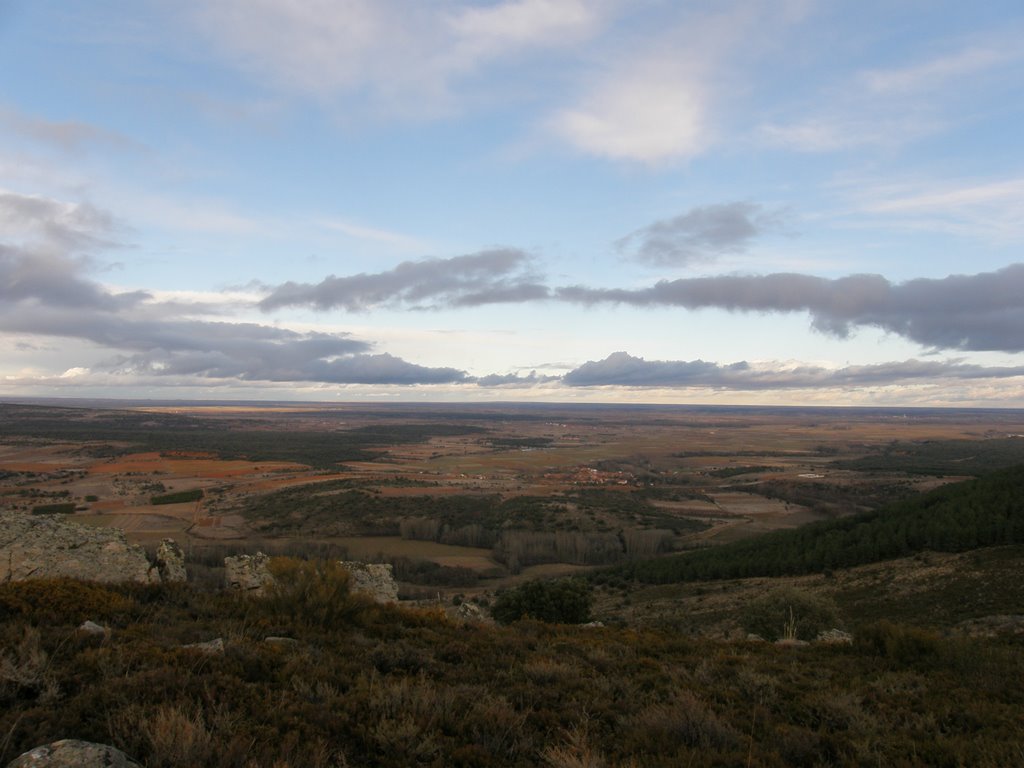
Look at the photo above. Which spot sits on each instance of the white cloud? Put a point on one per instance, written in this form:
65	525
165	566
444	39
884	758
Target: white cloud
374	234
657	111
833	133
890	107
403	56
993	210
193	214
940	70
656	97
488	31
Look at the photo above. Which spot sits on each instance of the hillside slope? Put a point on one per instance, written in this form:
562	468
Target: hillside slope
986	511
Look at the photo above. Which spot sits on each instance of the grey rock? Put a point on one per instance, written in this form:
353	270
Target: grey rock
48	546
92	628
249	574
375	580
473	613
213	647
170	562
285	641
71	753
834	637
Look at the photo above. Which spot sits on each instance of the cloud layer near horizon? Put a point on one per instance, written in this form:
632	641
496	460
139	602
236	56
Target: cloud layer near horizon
981	312
624	370
966	312
487	277
45	291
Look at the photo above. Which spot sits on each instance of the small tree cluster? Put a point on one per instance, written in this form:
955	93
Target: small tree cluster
563	602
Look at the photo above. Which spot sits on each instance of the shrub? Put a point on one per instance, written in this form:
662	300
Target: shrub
789	613
564	602
61	600
171	735
899	643
25	671
310	592
683	721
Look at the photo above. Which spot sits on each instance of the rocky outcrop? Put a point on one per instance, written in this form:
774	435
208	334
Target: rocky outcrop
249	574
834	637
473	613
47	546
213	647
71	753
375	580
92	628
170	562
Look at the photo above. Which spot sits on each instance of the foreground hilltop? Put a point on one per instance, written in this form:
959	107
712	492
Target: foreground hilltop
359	684
314	675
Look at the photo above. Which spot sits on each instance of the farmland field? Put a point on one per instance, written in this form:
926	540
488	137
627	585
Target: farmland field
497	490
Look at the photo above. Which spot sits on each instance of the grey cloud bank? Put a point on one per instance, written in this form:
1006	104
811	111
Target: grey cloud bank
981	312
44	292
970	312
624	370
699	233
487	277
59	225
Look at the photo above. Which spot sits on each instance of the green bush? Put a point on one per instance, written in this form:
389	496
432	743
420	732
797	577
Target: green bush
65	508
564	602
789	613
194	494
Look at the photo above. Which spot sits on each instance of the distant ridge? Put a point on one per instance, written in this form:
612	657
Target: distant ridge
894	411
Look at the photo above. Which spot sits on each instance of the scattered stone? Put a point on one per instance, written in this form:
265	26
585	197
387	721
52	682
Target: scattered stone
71	753
592	624
474	613
213	647
92	628
48	546
375	580
249	574
170	562
834	637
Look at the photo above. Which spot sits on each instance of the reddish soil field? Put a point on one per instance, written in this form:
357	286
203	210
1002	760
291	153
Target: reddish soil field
154	462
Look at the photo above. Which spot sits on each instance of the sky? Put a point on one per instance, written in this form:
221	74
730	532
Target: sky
794	202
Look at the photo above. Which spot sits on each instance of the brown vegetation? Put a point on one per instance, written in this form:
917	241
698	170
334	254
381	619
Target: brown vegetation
370	685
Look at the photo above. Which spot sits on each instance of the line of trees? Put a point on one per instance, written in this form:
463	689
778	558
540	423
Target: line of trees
983	512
